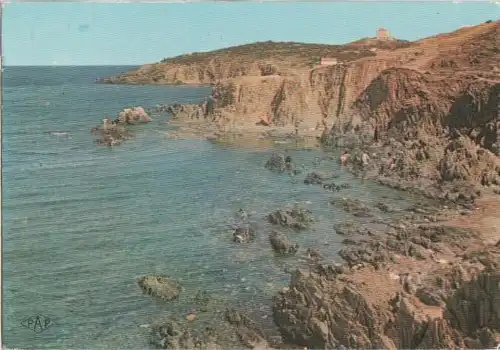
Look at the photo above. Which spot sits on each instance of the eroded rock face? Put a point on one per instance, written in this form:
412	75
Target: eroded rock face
463	161
475	309
281	243
419	242
325	310
160	287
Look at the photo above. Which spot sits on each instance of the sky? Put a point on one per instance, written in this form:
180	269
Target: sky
137	33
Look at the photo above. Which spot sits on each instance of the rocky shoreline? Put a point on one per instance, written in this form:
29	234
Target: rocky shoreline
429	277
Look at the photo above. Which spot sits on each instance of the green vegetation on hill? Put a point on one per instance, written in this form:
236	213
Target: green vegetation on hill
293	51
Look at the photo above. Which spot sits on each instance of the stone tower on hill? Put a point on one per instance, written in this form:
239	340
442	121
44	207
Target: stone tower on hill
383	34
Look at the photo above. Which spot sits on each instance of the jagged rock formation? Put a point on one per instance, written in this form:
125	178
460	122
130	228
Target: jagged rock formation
441	307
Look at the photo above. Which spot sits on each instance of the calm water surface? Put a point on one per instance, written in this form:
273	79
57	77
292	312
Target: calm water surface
82	222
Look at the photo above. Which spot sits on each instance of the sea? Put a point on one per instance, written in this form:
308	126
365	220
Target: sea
81	221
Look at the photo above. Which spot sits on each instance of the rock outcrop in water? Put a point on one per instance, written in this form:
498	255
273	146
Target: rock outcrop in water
281	243
134	115
114	132
243	234
279	163
296	218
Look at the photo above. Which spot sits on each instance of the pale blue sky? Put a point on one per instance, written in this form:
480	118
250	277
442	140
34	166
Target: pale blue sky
120	34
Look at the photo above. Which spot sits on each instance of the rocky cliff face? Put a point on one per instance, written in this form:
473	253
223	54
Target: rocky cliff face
450	79
192	74
321	96
450	82
434	308
334	89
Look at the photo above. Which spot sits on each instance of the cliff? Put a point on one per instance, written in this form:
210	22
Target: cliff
449	79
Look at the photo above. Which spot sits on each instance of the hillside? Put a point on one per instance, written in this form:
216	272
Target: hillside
255	59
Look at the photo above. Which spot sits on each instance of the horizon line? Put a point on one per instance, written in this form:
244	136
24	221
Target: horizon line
71	65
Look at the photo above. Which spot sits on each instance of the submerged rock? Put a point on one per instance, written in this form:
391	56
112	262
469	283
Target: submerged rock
243	235
279	163
353	206
313	254
111	133
350	229
281	243
172	335
160	287
333	187
314	179
296	218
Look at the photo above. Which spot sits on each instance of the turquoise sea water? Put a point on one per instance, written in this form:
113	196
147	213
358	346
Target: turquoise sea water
81	222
